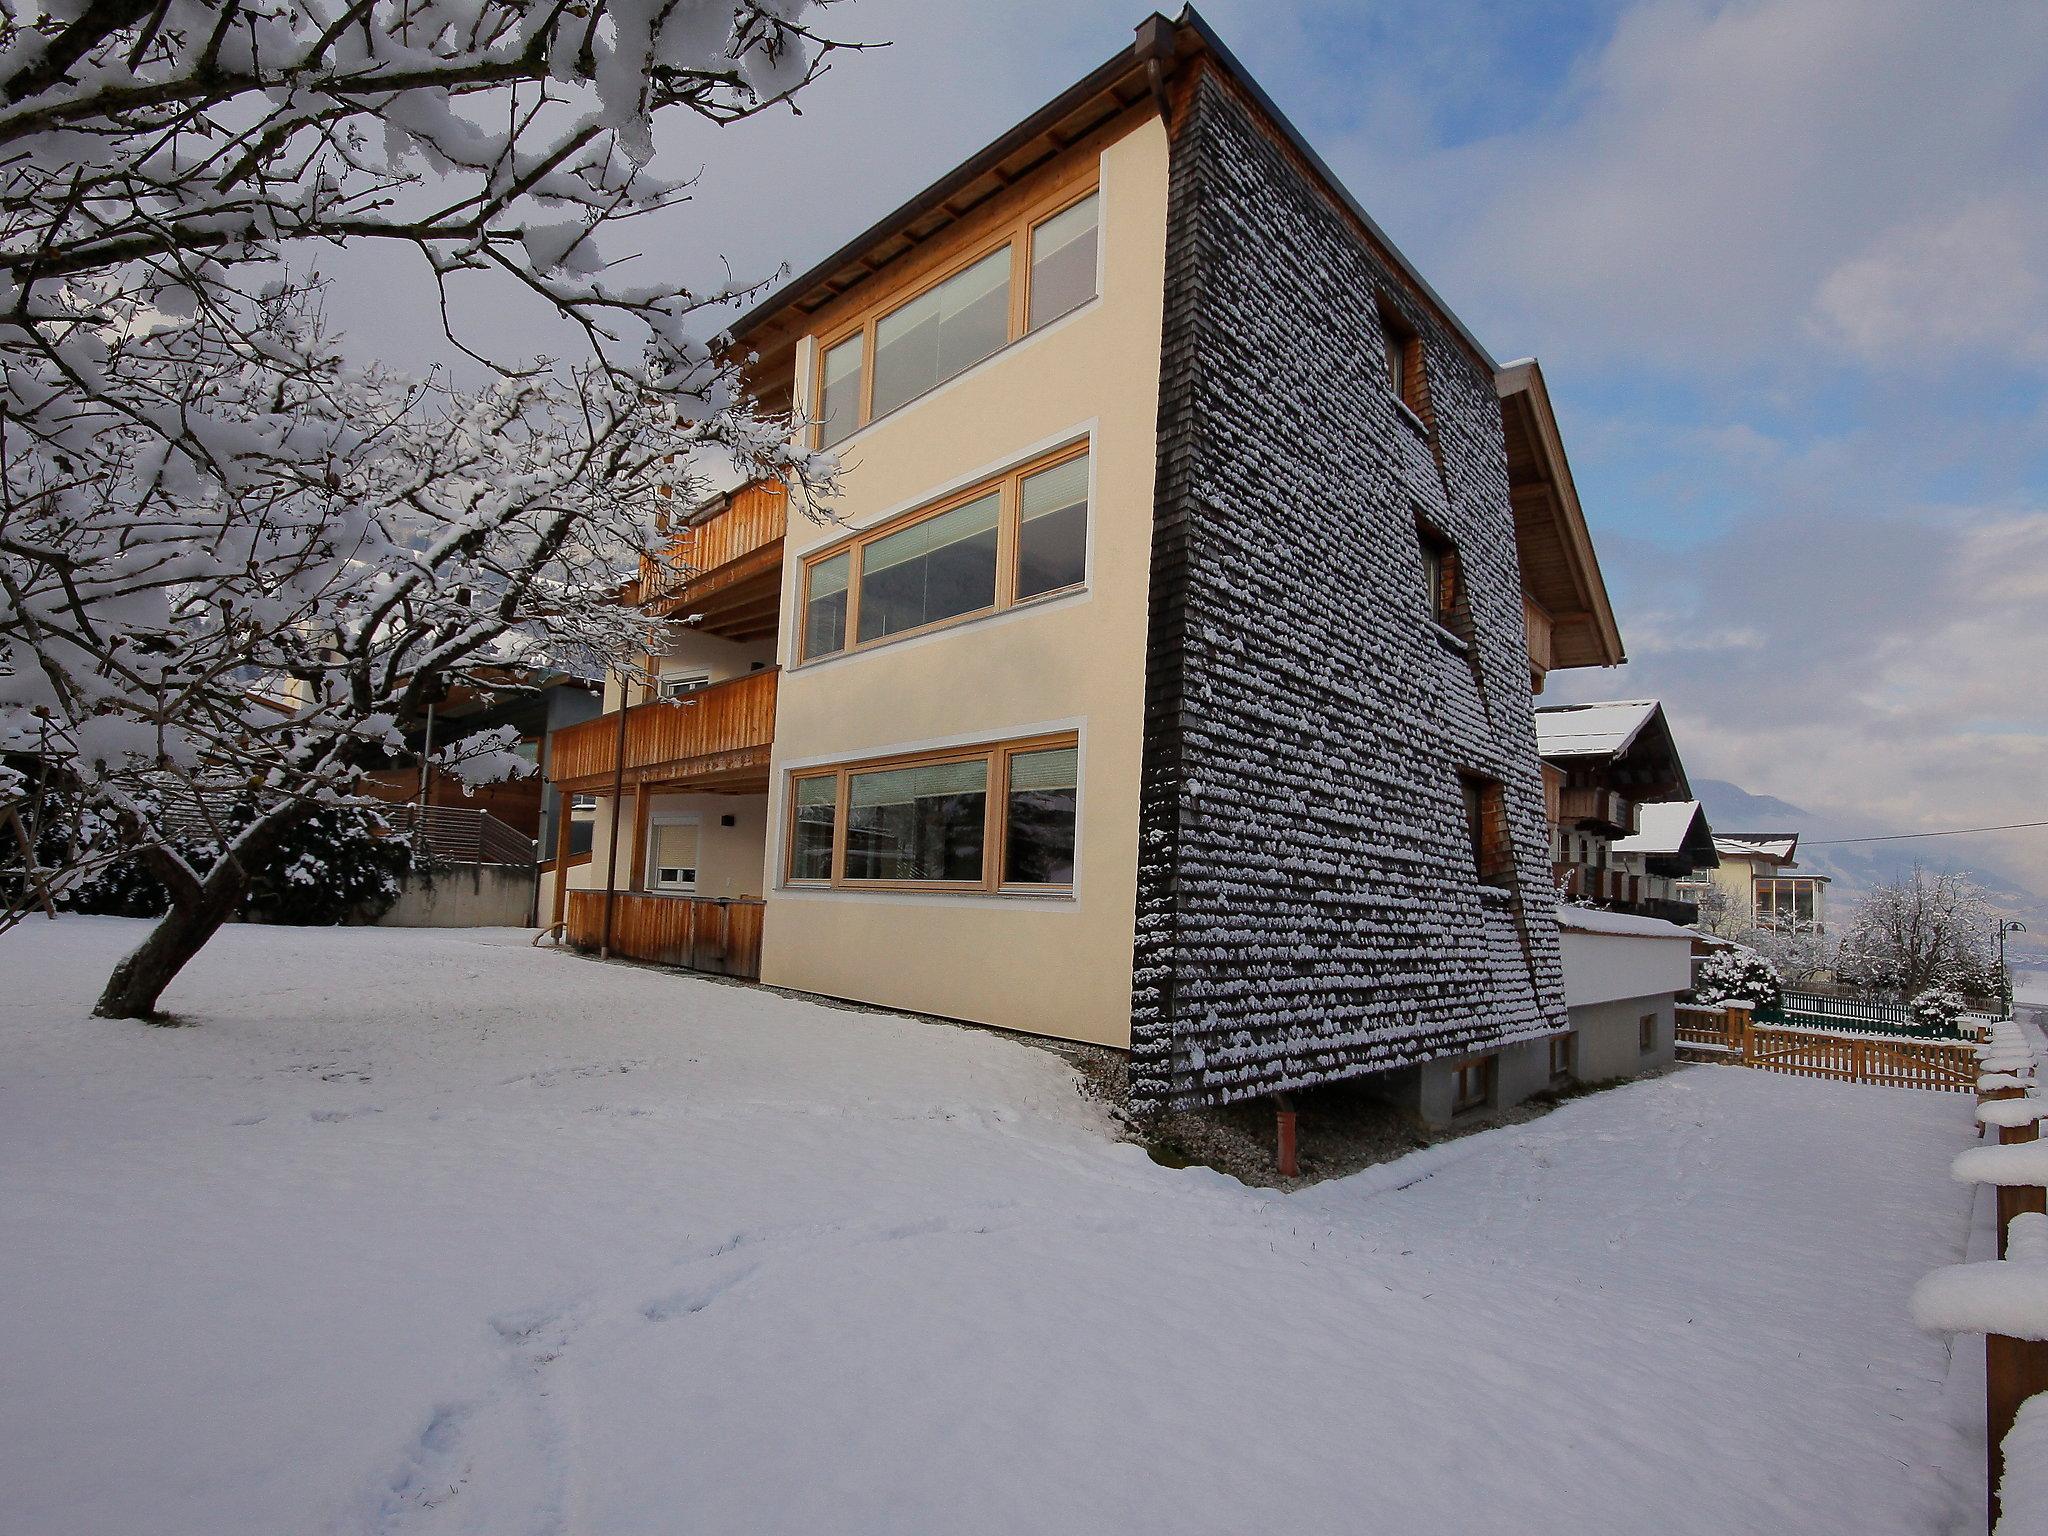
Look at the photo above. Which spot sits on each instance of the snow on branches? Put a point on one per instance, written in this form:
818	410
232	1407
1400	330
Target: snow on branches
233	558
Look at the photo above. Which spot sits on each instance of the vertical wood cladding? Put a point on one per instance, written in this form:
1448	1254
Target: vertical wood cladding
1309	908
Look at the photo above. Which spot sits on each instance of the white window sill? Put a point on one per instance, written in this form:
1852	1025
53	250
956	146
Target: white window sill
1450	639
1415	422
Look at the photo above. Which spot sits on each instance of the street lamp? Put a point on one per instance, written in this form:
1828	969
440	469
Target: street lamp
2005	926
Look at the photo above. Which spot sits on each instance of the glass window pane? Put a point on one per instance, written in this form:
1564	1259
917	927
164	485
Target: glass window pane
1063	262
942	332
1052	536
923	823
1039	840
817	807
825	605
935	569
839	403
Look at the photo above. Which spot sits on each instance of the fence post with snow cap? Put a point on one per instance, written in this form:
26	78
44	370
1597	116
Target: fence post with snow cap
2006	1300
2018	1172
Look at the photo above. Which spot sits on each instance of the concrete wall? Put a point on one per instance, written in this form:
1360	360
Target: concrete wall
465	896
1609	1037
1603	967
1050	965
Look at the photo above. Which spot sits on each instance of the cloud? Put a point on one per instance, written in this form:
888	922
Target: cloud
1970	283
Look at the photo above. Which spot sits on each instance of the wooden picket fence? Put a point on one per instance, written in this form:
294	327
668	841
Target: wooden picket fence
1732	1035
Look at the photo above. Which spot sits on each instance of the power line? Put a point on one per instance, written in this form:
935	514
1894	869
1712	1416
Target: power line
1899	837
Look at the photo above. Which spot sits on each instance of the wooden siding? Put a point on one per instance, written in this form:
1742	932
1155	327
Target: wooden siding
1537	623
722	937
715	738
754	517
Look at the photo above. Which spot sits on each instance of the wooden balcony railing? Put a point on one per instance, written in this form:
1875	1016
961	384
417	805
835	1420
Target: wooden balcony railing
723	937
715	737
1596	807
753	519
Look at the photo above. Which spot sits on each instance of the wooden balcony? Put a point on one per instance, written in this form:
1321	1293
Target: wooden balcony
714	739
1596	808
725	569
722	937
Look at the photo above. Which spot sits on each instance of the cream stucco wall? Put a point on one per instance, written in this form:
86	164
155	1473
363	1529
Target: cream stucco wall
1058	966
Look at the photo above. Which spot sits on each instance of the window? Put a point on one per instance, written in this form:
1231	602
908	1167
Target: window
812	827
1063	262
839	389
926	823
1471	1084
1038	817
999	817
1486	824
1788	903
676	684
672	854
1442	599
943	331
1022	536
1039	267
825	584
1401	357
1646	1033
1562	1050
938	568
1052	529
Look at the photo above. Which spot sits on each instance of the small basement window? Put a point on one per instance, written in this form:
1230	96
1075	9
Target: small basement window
1471	1084
1562	1050
1486	824
1646	1033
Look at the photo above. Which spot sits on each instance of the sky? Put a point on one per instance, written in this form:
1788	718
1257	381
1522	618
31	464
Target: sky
1785	263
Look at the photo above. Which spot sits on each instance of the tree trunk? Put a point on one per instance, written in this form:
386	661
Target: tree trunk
138	981
198	908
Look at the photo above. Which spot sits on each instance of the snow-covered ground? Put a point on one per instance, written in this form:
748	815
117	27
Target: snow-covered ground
434	1232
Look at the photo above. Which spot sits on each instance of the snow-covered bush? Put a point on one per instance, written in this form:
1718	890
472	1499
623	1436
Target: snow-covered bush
335	866
1937	1009
1738	974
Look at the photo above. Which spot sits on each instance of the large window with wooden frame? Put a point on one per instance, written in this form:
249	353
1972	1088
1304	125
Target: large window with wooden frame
1037	268
1014	539
977	819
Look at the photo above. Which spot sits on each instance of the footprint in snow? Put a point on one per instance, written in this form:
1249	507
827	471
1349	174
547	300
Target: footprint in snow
332	1116
250	1120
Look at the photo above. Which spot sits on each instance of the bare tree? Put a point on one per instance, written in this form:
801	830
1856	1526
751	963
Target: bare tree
232	561
1920	930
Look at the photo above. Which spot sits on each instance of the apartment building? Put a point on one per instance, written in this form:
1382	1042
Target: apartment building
1163	678
1757	883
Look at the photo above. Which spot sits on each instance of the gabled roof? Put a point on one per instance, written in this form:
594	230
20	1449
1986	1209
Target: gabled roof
1559	569
1592	730
1778	847
1669	827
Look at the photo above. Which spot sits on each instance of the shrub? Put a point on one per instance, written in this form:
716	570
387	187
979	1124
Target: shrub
1739	974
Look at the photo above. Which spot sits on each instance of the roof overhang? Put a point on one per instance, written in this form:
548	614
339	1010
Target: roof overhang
1559	569
1138	77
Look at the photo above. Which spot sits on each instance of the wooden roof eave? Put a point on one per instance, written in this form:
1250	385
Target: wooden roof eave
1587	634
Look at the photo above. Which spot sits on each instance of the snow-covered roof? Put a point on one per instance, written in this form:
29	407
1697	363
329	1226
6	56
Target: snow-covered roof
1751	845
1661	827
1591	730
1628	924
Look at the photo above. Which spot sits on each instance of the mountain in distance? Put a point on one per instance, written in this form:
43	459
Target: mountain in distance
1855	867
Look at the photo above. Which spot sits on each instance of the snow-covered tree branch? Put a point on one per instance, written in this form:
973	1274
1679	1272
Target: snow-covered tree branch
233	561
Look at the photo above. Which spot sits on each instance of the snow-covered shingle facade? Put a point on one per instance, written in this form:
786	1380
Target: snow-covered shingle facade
1308	906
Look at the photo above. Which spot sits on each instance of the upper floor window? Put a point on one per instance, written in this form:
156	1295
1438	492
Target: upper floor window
1440	578
1787	902
1019	537
1486	824
1401	357
998	817
1039	267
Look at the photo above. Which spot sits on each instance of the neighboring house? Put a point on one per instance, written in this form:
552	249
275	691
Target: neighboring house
1602	764
1758	877
1665	859
1162	680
